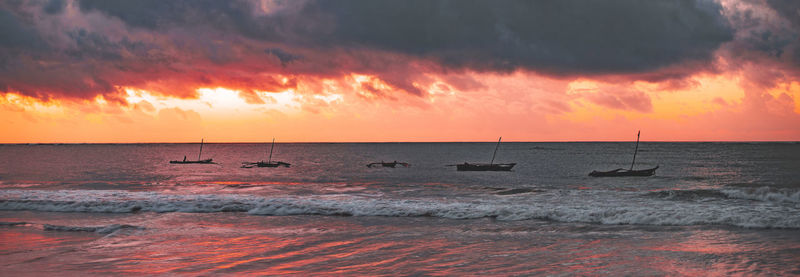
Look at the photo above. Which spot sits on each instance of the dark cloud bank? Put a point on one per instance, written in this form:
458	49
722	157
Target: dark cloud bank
558	36
208	42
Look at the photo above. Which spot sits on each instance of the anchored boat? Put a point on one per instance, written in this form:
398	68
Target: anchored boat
268	163
198	161
389	164
491	166
484	167
620	172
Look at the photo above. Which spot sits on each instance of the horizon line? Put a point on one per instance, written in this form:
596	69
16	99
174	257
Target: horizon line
345	142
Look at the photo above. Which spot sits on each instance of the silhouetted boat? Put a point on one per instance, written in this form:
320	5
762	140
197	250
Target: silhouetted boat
268	163
620	172
206	161
485	167
491	166
198	161
389	164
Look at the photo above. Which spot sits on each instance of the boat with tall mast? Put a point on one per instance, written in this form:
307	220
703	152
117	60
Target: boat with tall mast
621	172
491	166
268	163
198	161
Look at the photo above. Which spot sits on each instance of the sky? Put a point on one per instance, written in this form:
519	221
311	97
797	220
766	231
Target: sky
107	71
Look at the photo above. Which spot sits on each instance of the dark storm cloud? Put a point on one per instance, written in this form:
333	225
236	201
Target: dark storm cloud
55	6
790	10
130	43
157	15
552	36
152	14
283	56
565	37
766	34
14	33
767	44
86	65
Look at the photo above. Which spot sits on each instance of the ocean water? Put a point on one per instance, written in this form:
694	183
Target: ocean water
112	209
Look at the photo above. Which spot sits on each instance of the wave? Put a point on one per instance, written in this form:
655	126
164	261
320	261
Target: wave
13	223
108	229
586	206
790	184
666	215
696	194
515	191
767	194
763	194
93	229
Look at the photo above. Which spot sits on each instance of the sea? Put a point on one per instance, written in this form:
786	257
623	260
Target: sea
712	208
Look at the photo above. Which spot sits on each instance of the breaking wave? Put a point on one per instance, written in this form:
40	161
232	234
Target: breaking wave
764	194
13	223
697	194
94	229
599	207
768	194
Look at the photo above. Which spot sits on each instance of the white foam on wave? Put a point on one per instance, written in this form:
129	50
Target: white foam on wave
600	212
114	201
768	194
587	206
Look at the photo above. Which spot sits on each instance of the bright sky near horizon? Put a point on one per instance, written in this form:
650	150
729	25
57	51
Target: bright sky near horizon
336	71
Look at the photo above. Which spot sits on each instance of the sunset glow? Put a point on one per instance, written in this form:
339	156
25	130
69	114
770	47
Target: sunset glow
110	77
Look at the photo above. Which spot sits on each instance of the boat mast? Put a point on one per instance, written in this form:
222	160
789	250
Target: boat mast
495	150
270	151
637	148
201	149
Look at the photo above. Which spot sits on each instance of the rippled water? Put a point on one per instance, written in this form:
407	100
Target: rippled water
712	208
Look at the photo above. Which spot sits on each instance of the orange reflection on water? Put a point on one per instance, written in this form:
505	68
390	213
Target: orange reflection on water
276	183
11	240
324	247
22	240
333	258
188	255
27	251
228	261
357	267
707	244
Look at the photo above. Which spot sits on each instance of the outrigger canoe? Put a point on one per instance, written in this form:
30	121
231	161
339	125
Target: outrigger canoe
620	172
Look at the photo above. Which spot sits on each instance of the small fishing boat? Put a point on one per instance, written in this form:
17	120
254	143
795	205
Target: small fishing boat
621	172
198	161
268	163
484	167
389	164
206	161
491	166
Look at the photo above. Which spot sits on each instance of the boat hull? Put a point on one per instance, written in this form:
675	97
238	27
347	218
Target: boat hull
389	164
484	167
272	164
624	173
206	161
